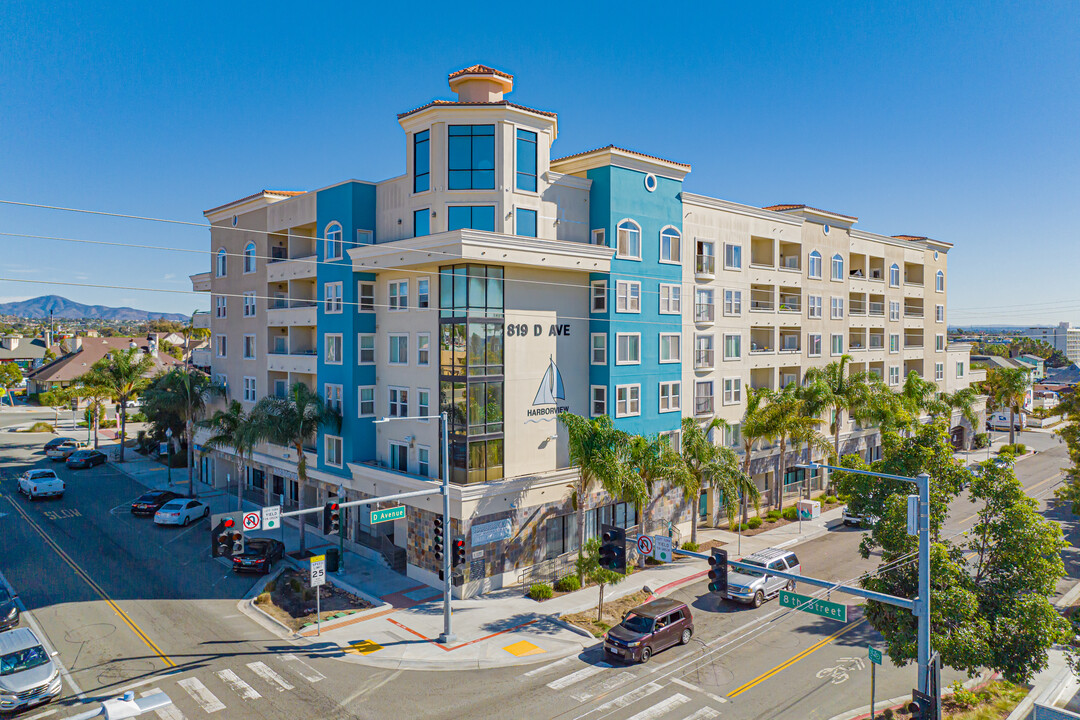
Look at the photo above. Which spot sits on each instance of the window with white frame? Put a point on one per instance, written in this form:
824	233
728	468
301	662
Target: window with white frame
813	344
598	296
598	345
365	349
249	347
222	263
837	344
813	306
627	400
598	400
423	349
670	396
939	343
894	342
423	293
703	351
670	347
399	456
599	237
959	369
249	390
670	299
398	295
939	281
673	438
366	237
220	306
732	256
813	266
399	349
399	401
332	396
249	258
423	403
939	313
733	302
670	245
703	305
894	310
628	349
423	461
732	390
334	246
333	450
332	292
365	292
732	347
894	375
939	371
837	267
249	304
627	296
222	346
894	275
732	435
365	400
333	348
629	240
837	308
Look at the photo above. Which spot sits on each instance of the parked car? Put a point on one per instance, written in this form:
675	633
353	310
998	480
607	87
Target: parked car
756	586
650	628
9	610
1001	420
850	517
181	512
86	458
150	502
64	450
28	675
40	483
56	441
259	556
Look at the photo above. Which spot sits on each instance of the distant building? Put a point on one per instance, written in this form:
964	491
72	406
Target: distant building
83	353
1063	337
1036	362
27	353
1004	363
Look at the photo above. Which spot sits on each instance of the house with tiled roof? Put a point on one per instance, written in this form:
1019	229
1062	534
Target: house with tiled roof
81	355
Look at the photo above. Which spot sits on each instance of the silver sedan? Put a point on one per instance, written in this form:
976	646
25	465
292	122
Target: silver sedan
181	512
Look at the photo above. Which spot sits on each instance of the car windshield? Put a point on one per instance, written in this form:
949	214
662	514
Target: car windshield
23	660
751	573
638	623
256	548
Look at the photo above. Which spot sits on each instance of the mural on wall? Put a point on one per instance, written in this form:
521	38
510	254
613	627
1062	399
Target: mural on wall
546	403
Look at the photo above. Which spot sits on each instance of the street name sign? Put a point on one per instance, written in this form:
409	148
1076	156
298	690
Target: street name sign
394	513
823	608
271	517
318	570
875	655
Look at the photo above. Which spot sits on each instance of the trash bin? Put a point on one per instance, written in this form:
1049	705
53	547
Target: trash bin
333	557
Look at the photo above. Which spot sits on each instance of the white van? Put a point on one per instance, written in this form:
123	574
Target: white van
36	484
1001	420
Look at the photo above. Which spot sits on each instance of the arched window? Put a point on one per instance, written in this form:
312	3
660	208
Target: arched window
249	258
629	240
670	245
940	282
813	267
222	263
894	275
837	267
334	246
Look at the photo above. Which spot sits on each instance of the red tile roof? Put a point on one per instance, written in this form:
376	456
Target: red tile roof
455	103
911	237
261	193
69	367
620	149
783	208
480	70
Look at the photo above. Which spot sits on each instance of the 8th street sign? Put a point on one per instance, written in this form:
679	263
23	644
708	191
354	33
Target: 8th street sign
823	608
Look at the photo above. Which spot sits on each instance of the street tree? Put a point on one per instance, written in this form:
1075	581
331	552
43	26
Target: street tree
708	462
96	398
753	429
589	570
659	468
843	392
10	376
236	430
1007	388
788	421
124	373
184	393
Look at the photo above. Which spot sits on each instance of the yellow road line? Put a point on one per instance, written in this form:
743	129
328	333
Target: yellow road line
812	649
90	581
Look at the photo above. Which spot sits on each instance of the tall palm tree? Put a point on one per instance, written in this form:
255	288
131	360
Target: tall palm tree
598	451
753	429
235	430
919	396
658	466
843	391
186	393
95	397
294	421
1008	389
123	373
963	400
705	461
790	420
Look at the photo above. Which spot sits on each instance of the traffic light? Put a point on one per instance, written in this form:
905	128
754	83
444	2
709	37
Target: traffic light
221	538
237	542
718	568
438	539
331	519
458	550
613	548
921	706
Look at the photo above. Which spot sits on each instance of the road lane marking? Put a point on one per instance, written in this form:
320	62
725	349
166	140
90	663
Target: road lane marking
604	687
661	708
263	670
169	712
90	581
706	713
47	713
695	688
203	697
577	676
629	698
550	666
313	676
241	688
1027	490
812	649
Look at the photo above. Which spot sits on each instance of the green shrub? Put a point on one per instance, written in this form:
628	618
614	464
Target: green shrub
270	586
41	427
965	698
541	591
139	417
842	498
754	523
790	513
773	515
263	599
570	583
690	545
771	520
981	440
829	499
1020	449
48	399
888	714
296	586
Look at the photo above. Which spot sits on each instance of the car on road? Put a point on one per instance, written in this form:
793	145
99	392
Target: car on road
39	483
28	675
650	628
64	450
56	441
150	502
259	555
86	458
9	610
858	519
181	512
754	587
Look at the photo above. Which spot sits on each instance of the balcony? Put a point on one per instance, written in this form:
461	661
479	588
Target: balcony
285	314
790	300
762	299
913	342
705	265
704	359
200	282
703	405
762	252
704	312
856	341
877	309
789	341
292	269
201	358
301	361
790	257
877	342
913	311
913	274
201	321
877	269
761	341
857	306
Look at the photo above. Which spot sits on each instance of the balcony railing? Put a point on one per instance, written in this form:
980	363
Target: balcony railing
877	308
789	344
703	405
277	254
762	301
760	347
704	359
857	307
856	345
704	312
790	303
705	265
285	303
913	312
914	343
877	342
279	351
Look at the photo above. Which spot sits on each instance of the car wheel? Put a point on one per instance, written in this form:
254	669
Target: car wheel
790	587
758	599
646	653
686	634
206	512
269	567
187	520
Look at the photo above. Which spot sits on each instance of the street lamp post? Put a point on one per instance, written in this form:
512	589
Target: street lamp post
341	530
168	457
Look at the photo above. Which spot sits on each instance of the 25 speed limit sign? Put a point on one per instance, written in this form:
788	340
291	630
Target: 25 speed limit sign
318	570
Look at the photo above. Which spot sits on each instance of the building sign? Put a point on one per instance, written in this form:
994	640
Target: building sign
523	330
491	532
548	395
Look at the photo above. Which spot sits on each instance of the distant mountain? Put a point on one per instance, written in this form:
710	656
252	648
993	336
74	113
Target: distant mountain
60	307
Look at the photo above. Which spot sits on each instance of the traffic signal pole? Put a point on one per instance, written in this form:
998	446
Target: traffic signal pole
447	634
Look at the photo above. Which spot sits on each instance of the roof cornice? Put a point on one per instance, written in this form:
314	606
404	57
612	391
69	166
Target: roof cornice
740	209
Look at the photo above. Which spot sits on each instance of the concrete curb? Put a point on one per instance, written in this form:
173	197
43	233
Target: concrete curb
863	712
377	603
572	627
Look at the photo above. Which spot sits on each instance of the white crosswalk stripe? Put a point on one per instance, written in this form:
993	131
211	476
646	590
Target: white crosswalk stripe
264	671
203	697
629	698
302	669
550	666
241	688
605	686
577	676
169	712
706	713
661	708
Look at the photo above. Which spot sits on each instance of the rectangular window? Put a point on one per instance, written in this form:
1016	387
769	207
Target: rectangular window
813	306
423	349
421	222
249	389
670	347
219	307
599	237
333	450
733	302
627	296
398	297
365	349
421	162
222	346
959	369
703	397
526	161
670	299
939	371
837	344
399	349
628	349
598	343
628	240
894	310
894	343
399	456
366	401
399	401
598	296
703	305
939	343
813	344
472	217
939	313
732	390
732	256
423	461
732	435
703	351
281	388
249	304
837	307
423	403
598	400
333	297
364	237
732	347
670	246
249	347
365	291
423	293
332	396
333	349
627	400
525	222
670	396
894	375
471	157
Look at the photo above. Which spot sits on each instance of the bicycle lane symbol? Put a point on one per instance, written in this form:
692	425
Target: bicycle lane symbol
842	672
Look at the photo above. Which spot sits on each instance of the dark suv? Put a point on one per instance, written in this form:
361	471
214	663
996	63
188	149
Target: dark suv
650	628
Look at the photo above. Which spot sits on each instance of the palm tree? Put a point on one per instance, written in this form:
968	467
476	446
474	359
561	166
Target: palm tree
1008	389
235	430
123	373
841	392
753	428
964	401
598	450
791	417
294	421
919	396
186	393
658	466
705	461
189	333
96	397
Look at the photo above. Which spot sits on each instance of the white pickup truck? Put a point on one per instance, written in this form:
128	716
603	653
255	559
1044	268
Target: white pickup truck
39	483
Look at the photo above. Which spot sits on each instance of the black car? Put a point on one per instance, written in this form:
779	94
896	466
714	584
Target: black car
149	503
56	442
86	458
9	611
259	556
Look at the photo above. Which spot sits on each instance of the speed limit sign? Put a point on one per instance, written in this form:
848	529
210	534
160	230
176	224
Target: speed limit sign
251	521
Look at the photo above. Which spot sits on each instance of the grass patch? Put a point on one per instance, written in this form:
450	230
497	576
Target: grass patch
40	427
993	702
613	613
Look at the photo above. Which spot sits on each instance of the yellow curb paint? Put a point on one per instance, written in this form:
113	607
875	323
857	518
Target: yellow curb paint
364	647
523	648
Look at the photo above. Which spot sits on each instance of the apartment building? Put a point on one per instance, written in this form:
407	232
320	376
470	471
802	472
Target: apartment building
500	285
1063	337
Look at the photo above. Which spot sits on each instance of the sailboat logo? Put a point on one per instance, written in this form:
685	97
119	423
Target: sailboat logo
551	386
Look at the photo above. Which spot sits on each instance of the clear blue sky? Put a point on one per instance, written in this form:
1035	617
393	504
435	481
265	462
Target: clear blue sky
953	120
